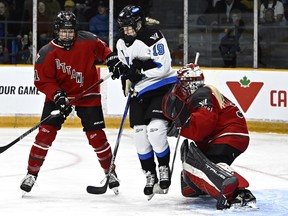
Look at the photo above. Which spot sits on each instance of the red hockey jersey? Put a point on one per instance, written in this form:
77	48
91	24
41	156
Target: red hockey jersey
209	124
72	71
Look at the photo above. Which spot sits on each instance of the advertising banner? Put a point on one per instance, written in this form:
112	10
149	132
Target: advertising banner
18	95
260	94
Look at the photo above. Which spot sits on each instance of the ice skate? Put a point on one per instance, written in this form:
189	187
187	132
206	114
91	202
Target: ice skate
151	180
243	199
165	178
114	182
27	183
158	190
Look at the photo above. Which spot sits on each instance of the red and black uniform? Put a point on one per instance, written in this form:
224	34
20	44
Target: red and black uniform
220	133
73	72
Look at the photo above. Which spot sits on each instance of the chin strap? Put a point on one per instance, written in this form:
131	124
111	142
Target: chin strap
67	45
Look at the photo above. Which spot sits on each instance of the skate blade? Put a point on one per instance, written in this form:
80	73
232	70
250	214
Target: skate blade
247	206
158	190
115	190
23	194
149	197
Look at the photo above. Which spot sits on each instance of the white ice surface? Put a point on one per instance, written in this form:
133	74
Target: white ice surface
71	165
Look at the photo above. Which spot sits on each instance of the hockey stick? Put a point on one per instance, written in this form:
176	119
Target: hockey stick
103	189
175	153
90	88
196	57
53	114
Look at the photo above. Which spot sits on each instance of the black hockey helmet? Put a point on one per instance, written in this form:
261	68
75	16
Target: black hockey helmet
131	15
65	20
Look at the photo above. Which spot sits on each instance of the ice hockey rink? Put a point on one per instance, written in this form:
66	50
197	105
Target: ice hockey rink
71	165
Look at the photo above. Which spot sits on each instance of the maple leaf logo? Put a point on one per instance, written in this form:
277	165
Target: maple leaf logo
244	91
245	82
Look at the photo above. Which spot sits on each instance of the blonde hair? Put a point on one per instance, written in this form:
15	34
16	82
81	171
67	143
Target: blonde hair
217	94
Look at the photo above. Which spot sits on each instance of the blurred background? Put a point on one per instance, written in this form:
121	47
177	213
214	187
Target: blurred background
227	33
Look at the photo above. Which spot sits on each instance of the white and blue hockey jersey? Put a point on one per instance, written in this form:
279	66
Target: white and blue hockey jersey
151	47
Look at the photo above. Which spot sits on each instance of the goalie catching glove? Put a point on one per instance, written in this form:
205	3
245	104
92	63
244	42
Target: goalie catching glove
61	103
115	66
175	106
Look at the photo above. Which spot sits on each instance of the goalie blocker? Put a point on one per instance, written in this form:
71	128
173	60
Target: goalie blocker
200	176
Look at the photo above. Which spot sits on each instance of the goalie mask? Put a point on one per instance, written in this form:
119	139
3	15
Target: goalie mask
65	29
176	103
191	78
130	20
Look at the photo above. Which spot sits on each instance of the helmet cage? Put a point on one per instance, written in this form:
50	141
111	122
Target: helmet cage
65	20
191	78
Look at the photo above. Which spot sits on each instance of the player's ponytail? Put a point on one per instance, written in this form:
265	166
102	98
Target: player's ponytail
217	94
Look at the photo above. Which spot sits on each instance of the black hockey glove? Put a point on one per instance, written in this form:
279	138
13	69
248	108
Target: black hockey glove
172	130
134	73
61	103
115	66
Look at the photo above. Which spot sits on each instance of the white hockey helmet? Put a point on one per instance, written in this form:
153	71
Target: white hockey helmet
190	77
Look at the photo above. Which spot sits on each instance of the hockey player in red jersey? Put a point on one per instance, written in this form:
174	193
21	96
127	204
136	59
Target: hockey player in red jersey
218	133
64	68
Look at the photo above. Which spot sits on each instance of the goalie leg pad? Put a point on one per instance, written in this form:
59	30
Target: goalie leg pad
97	139
188	188
207	176
243	183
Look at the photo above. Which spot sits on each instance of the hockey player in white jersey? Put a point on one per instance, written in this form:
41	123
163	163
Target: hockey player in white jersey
145	52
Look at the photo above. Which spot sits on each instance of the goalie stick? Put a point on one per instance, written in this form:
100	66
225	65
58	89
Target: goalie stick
103	189
53	114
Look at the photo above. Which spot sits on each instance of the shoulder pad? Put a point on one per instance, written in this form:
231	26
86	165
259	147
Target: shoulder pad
201	97
85	35
43	53
150	36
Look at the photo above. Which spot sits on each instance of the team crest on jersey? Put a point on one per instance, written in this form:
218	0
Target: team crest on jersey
78	76
204	103
154	36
